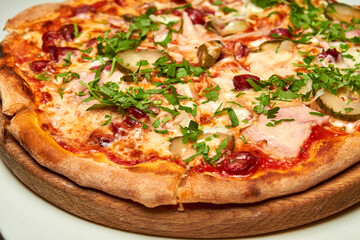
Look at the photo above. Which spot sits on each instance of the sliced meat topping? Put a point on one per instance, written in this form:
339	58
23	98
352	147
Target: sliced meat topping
285	139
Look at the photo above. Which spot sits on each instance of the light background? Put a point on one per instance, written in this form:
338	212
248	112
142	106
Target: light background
24	215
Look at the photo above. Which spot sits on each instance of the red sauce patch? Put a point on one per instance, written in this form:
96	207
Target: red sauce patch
205	118
318	133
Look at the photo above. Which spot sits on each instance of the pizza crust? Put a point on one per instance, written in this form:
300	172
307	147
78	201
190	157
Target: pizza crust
151	183
328	157
28	16
46	11
15	93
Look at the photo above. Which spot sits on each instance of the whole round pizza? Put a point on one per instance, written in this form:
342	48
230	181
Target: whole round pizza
171	102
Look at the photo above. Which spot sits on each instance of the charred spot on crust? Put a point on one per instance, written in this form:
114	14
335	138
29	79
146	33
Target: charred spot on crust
27	91
2	52
324	149
252	192
47	24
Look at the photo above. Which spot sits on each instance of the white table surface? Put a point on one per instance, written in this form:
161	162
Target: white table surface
24	215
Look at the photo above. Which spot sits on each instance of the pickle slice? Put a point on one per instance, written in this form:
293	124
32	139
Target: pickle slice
209	52
224	28
270	45
344	106
131	58
342	12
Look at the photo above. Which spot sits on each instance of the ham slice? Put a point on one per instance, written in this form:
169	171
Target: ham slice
285	139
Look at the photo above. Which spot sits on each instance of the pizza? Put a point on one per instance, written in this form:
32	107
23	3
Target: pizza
172	102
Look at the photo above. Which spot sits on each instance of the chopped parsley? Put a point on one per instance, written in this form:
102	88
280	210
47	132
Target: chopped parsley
76	30
311	21
156	123
317	114
66	78
232	115
43	76
273	123
67	60
217	2
203	149
212	94
110	95
190	132
161	131
228	10
108	117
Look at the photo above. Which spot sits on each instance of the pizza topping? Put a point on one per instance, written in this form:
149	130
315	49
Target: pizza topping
345	105
101	137
240	50
209	52
209	143
179	2
136	112
342	12
49	40
135	61
331	55
273	45
233	27
245	82
106	67
84	9
39	66
68	32
45	97
195	15
241	163
56	52
131	122
279	33
285	139
225	28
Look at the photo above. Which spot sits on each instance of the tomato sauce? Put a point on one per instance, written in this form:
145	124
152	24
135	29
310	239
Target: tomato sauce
318	133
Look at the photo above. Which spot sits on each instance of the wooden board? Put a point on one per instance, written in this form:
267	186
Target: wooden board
196	220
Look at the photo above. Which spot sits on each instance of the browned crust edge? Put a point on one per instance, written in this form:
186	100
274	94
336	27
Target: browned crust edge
29	15
47	11
152	183
328	158
14	92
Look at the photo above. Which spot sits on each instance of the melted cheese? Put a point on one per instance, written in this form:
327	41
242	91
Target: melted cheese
278	61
